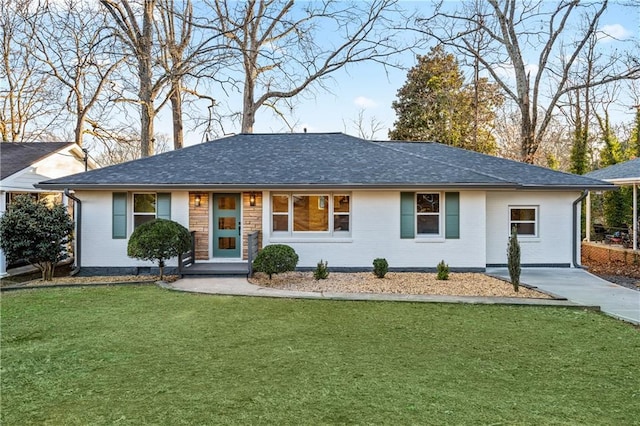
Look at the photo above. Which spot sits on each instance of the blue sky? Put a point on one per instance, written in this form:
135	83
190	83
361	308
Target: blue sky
372	88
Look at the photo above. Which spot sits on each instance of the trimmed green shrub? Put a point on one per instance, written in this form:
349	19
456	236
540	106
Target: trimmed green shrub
380	267
32	231
275	259
322	271
443	271
513	259
159	240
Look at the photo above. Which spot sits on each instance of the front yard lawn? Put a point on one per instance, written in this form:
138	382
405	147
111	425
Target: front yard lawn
143	355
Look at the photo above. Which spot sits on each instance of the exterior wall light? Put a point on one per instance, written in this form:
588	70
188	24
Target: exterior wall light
197	200
252	199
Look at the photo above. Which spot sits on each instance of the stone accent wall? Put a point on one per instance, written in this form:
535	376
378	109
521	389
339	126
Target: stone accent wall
251	220
604	253
199	222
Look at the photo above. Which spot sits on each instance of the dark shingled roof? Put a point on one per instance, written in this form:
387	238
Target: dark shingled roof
16	156
629	170
321	160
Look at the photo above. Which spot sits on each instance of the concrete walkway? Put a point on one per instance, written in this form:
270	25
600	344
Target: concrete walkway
581	287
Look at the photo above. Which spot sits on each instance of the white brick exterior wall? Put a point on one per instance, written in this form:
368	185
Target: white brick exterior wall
99	249
553	244
375	231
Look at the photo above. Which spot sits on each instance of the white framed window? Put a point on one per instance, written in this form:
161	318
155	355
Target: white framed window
524	219
428	214
305	214
280	213
144	208
50	198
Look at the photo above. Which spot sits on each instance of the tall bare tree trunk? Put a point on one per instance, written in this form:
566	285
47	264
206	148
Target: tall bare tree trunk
148	112
176	111
140	41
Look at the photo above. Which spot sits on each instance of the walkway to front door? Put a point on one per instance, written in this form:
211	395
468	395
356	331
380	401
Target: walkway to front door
226	225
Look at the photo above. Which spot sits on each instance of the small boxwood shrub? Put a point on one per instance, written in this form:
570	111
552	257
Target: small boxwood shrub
443	271
322	270
275	259
380	267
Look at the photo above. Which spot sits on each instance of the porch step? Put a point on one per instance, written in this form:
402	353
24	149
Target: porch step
230	268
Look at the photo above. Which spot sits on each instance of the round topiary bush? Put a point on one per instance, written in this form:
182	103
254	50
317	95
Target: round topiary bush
275	259
380	267
159	240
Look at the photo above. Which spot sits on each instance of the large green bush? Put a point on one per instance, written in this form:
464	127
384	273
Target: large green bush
159	240
275	259
32	231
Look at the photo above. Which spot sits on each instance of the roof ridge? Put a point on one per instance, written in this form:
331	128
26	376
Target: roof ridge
440	161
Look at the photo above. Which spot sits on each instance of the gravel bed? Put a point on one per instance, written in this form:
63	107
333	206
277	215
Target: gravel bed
76	280
458	284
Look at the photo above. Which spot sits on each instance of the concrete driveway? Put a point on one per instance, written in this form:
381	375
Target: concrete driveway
579	286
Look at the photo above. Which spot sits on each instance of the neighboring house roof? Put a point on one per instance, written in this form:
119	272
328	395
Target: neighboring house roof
16	156
621	173
327	160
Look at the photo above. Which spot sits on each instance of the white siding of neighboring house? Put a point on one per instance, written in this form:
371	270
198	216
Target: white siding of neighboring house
554	242
56	165
99	249
375	225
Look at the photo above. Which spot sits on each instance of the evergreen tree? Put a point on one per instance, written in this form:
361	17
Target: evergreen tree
579	164
32	231
634	140
617	205
435	104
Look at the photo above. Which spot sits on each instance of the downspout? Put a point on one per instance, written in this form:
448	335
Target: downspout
574	239
78	213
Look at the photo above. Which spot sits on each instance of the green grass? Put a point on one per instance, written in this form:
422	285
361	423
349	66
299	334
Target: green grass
142	355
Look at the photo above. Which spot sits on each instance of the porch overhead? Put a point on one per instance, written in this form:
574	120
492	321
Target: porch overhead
621	174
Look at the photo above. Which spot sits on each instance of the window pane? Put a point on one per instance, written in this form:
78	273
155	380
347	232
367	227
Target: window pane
341	222
51	198
428	203
523	214
226	203
281	222
227	223
526	228
310	213
227	243
428	224
280	204
341	204
144	203
140	219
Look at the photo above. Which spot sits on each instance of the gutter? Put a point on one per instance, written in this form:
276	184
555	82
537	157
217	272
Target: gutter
319	185
574	239
78	252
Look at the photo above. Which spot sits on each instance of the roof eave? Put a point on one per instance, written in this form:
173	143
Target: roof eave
307	186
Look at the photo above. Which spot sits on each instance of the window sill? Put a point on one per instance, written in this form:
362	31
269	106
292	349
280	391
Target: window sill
522	239
310	240
429	240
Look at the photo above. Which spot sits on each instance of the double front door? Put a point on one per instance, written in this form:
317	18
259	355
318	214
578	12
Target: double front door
227	235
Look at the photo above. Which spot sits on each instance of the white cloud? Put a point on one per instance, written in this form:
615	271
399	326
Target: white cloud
364	102
506	71
613	32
